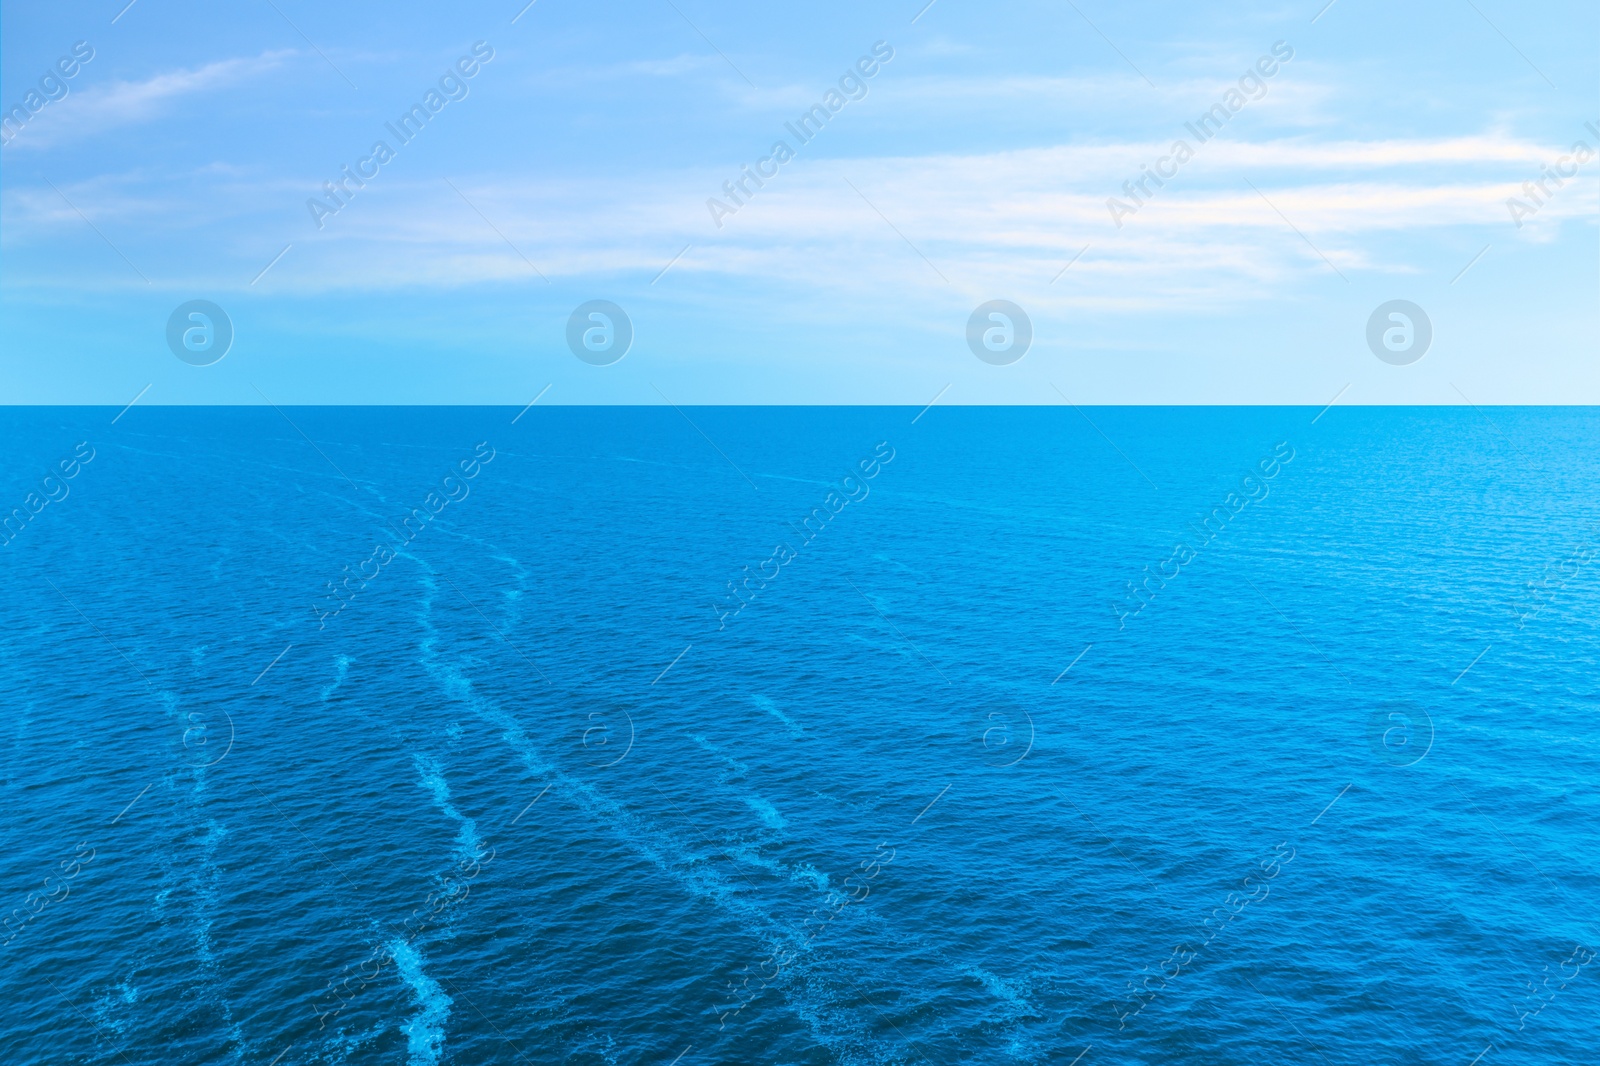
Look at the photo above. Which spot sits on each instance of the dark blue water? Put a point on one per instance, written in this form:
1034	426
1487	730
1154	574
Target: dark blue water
800	736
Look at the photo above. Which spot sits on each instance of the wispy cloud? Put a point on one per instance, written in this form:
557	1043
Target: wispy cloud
1009	215
122	103
676	66
1008	219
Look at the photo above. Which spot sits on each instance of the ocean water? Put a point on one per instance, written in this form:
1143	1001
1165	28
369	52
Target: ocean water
1027	736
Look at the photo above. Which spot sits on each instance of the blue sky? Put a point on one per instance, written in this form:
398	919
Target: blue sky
577	163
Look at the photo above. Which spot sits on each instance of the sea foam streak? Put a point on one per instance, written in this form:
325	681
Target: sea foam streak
433	780
425	1031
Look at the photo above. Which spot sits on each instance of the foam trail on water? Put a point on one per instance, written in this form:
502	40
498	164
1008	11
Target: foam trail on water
660	849
433	780
766	704
765	811
735	768
831	1016
204	884
425	1031
342	663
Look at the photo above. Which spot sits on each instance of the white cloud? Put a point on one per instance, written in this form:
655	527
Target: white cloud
1012	215
988	221
668	68
122	103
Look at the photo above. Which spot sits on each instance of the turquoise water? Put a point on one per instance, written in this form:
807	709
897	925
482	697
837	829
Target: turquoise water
860	735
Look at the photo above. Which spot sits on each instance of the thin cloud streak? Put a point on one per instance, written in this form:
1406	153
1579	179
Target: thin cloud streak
96	109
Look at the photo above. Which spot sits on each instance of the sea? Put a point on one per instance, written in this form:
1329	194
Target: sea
721	735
